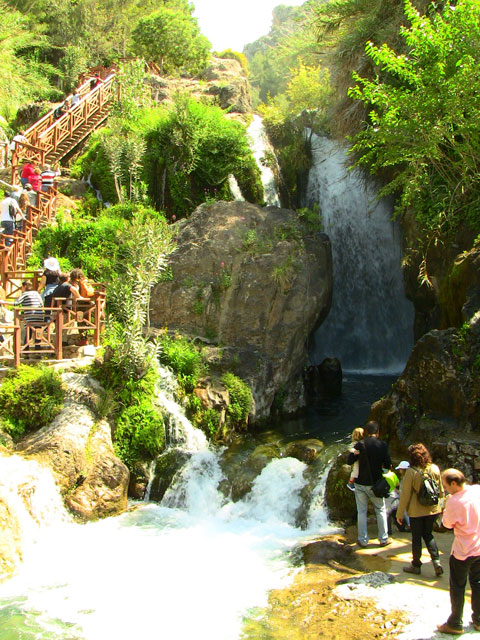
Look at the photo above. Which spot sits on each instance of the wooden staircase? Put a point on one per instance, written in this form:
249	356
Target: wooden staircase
51	139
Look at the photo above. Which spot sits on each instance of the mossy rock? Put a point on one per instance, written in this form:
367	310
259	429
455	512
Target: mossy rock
167	466
304	450
340	500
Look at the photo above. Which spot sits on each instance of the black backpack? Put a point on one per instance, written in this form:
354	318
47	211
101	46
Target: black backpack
429	493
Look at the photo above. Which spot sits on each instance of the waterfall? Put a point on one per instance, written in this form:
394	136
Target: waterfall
260	147
179	430
370	325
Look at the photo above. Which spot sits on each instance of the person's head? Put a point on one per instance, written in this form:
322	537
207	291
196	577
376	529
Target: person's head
419	455
63	277
37	171
51	264
372	428
28	186
357	434
27	285
47	167
76	275
453	480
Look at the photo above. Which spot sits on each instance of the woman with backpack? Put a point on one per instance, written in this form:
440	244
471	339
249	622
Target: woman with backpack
421	497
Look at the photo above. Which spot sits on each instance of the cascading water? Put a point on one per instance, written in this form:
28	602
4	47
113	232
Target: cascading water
370	325
260	148
190	567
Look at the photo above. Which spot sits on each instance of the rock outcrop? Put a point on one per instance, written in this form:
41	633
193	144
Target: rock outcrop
435	400
255	281
78	449
223	83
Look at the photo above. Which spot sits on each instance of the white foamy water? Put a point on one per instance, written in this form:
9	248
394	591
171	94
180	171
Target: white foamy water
191	567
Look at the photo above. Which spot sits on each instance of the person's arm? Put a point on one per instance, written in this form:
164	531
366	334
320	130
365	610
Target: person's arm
43	282
74	291
405	495
353	457
449	518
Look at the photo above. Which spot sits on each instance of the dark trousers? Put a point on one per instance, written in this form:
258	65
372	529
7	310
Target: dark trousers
459	571
7	229
422	528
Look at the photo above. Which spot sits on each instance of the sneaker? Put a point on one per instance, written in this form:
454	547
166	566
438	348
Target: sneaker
412	569
385	543
446	628
438	569
351	486
362	544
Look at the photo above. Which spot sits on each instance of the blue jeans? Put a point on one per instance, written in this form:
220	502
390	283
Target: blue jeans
7	229
362	495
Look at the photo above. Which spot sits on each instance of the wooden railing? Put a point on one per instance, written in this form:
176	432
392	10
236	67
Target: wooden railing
15	249
46	335
48	133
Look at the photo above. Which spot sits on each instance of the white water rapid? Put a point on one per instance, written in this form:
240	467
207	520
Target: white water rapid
370	325
260	148
192	566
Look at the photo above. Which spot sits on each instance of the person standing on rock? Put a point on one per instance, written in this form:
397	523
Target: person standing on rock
462	514
373	456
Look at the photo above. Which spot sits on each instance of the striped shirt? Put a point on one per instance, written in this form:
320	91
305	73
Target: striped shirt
48	176
33	300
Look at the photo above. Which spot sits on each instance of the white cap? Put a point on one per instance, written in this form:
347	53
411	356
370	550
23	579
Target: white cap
403	465
51	264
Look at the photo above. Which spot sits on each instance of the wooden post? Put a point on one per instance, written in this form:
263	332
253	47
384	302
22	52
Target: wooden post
96	333
58	334
17	338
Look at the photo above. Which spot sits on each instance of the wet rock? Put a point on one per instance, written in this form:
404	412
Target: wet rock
340	500
138	481
165	469
304	450
324	380
213	395
435	400
78	449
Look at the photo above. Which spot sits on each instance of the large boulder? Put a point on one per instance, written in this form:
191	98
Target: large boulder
435	400
223	82
78	449
256	281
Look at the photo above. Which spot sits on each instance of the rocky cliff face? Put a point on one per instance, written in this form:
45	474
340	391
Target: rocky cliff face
223	83
256	282
435	400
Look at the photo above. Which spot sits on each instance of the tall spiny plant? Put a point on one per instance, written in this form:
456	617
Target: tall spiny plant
146	252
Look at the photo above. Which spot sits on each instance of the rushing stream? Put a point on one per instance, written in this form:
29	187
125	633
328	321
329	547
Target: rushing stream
192	566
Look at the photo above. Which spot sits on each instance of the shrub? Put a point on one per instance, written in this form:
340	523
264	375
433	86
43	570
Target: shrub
184	359
30	398
240	399
139	433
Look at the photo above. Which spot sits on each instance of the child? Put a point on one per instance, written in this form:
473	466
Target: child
357	435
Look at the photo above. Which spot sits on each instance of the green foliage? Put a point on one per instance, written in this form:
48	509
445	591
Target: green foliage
192	149
139	433
132	92
240	399
145	251
172	39
95	162
30	398
424	114
184	358
23	76
208	420
95	246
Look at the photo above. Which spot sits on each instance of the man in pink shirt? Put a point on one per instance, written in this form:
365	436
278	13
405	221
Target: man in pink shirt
462	514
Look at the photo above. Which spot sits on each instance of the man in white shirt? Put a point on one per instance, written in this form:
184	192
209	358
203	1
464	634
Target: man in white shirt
9	210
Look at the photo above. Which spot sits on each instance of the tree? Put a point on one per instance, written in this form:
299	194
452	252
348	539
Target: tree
172	39
423	120
22	77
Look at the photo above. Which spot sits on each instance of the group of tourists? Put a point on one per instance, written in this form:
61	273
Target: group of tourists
421	500
39	179
55	289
